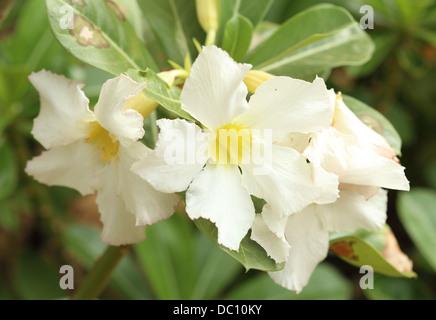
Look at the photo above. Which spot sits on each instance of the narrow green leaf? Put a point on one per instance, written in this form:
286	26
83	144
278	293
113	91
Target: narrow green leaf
416	210
375	120
98	33
159	91
326	283
317	39
237	37
358	252
250	254
175	25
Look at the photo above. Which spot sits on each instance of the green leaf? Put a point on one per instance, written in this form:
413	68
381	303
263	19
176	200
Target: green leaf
84	244
326	283
167	257
384	45
8	169
237	37
181	264
159	91
358	252
101	36
375	120
318	39
386	288
215	270
250	254
36	278
253	10
416	210
9	219
175	25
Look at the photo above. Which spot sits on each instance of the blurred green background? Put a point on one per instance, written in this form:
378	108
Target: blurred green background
43	228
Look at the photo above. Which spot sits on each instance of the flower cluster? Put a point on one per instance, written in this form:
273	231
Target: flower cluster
294	144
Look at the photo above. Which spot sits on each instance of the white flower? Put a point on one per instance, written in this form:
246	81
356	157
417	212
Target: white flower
364	162
225	174
93	151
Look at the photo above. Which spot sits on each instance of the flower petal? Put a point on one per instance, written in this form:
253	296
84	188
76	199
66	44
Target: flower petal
180	154
214	92
125	125
329	149
309	246
275	246
216	194
327	182
119	225
147	204
64	110
370	169
283	179
74	165
289	105
352	212
348	123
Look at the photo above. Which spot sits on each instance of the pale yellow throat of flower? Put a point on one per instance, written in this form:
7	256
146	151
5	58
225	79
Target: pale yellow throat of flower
104	142
231	145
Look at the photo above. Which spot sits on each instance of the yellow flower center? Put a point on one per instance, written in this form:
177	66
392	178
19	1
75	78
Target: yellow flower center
103	141
232	145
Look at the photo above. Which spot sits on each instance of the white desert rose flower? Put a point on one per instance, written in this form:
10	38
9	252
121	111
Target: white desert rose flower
92	151
364	163
227	170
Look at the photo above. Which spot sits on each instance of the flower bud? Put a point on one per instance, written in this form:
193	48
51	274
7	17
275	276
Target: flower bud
255	78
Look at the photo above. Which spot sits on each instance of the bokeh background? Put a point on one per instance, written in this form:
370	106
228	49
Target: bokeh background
43	228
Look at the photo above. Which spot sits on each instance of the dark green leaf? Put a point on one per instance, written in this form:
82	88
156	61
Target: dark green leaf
250	254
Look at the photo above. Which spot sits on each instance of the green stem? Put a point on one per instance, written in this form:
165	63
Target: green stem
100	273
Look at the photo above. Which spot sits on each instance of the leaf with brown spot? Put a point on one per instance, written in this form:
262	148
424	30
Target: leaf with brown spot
358	250
99	37
86	34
